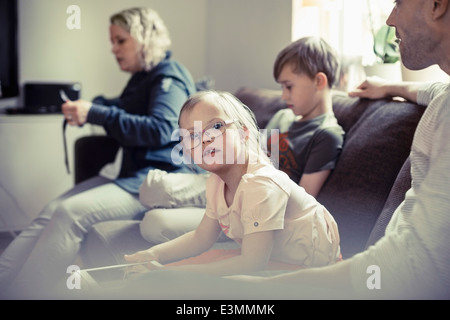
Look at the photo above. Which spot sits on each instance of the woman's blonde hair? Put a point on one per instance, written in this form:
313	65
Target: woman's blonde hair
234	109
148	29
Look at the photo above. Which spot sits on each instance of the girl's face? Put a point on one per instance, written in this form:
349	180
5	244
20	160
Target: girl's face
127	50
300	93
218	144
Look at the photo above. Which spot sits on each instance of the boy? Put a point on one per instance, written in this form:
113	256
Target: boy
310	138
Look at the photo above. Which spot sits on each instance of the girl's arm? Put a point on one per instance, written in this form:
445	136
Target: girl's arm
378	88
188	245
255	254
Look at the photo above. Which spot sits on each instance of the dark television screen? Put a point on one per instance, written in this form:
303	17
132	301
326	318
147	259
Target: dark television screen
9	85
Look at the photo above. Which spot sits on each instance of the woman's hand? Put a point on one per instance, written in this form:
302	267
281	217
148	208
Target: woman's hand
372	88
76	111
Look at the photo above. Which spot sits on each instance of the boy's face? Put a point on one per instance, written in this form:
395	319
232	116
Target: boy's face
300	93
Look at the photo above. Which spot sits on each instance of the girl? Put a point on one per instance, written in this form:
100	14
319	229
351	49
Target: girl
268	215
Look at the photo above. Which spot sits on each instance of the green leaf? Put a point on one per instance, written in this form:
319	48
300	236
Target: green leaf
385	47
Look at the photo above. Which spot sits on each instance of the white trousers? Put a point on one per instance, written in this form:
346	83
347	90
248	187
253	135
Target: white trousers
39	256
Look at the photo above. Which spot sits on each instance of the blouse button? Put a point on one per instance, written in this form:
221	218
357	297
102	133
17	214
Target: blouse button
256	224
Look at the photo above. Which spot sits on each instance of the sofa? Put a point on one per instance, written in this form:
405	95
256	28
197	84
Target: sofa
369	181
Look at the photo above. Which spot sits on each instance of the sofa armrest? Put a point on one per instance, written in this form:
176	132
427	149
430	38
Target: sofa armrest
378	140
396	196
91	154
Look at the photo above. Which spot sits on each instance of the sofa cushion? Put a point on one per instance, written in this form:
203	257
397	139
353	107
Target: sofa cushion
378	141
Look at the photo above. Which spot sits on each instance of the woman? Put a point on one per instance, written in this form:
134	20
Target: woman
141	120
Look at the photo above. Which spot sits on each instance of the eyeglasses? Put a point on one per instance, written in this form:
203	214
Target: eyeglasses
214	130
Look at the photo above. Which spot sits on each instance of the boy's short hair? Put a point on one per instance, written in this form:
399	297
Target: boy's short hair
309	55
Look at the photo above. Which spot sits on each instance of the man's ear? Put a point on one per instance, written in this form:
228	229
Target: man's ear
321	80
439	9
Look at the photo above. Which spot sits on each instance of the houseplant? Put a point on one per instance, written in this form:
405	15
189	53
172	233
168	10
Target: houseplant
387	64
385	46
387	55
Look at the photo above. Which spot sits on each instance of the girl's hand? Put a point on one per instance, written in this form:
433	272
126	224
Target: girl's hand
246	278
142	256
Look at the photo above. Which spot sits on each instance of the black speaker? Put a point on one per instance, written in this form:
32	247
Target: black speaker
46	98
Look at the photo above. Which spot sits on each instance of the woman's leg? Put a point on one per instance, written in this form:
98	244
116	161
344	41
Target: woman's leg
50	245
15	255
177	202
161	225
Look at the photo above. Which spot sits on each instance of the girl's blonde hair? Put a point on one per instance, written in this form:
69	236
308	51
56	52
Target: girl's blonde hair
148	29
234	109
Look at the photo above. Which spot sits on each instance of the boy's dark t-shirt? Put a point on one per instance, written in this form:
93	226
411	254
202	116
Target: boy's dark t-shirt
304	146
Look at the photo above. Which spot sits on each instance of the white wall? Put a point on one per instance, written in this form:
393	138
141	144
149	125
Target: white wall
243	39
49	51
32	170
233	41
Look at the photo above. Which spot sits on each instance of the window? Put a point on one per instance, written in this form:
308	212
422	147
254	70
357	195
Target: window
347	25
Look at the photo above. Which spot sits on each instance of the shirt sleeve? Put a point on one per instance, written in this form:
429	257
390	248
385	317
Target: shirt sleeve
263	205
152	130
428	91
212	190
326	148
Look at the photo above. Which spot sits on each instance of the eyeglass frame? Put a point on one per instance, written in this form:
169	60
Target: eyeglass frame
204	131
